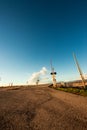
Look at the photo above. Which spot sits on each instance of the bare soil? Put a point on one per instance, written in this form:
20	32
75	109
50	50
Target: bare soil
41	108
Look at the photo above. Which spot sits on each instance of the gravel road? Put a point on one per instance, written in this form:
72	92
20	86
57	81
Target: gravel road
41	108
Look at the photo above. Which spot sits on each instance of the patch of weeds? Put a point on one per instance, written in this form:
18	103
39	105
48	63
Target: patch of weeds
74	90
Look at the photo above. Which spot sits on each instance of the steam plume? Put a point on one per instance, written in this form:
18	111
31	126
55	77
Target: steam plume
37	75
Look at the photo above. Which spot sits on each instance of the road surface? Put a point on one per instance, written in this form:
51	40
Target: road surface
41	108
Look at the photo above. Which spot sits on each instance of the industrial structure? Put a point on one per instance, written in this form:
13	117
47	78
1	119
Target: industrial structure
37	82
79	69
53	73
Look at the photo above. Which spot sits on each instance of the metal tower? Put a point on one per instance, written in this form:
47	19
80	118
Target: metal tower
53	73
79	69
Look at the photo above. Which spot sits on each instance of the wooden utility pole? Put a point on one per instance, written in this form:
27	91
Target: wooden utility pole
79	69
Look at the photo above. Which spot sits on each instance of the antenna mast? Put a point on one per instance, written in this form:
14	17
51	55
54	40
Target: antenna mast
79	69
53	73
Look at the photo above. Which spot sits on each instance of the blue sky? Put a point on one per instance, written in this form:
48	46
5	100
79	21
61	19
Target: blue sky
34	31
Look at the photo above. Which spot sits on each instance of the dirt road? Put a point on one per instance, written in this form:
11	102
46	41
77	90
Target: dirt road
41	108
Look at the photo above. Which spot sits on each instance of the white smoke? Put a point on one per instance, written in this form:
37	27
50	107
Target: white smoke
37	75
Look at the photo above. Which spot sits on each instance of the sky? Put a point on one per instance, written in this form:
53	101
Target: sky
33	32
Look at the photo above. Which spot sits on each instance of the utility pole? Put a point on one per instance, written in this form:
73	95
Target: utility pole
53	73
79	69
